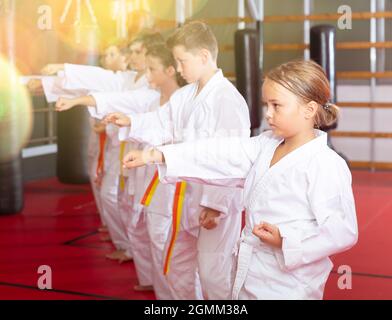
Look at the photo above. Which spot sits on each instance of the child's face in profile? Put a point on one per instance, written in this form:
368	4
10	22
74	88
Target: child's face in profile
190	65
113	59
157	74
137	57
285	112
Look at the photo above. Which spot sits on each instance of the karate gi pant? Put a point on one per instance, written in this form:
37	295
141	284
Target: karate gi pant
92	163
215	257
125	203
205	262
141	249
111	212
158	227
96	189
182	278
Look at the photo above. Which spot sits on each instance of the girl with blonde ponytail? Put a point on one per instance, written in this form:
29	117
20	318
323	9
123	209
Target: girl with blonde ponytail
297	191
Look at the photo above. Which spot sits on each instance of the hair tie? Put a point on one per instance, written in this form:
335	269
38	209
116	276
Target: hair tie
327	106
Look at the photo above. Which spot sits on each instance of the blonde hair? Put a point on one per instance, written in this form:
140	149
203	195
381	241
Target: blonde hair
308	81
195	35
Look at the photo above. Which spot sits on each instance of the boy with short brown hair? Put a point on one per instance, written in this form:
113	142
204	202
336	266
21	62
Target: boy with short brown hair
210	106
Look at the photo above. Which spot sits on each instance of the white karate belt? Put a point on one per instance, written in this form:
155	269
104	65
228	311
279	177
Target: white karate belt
248	244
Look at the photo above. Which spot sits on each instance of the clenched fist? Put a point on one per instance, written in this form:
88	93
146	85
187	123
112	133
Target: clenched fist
118	119
64	104
139	158
209	218
269	234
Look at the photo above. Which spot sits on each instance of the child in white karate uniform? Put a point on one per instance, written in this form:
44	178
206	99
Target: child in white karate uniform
161	73
299	202
211	221
149	226
118	185
116	78
113	60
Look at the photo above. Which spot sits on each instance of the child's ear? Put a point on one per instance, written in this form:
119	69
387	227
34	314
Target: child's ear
171	71
205	55
311	109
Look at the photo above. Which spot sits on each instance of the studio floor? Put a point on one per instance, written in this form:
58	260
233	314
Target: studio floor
59	224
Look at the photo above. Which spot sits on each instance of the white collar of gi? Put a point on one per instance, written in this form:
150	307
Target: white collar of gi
296	155
321	137
142	81
218	76
321	140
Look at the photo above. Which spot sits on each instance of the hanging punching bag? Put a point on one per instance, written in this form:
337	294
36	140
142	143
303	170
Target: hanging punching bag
73	127
15	117
11	186
72	142
247	65
323	51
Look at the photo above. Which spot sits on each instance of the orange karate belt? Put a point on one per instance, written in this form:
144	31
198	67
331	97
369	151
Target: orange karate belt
150	191
122	154
178	203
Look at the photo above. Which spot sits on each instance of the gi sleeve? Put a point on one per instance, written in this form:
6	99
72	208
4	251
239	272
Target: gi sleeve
215	161
129	102
92	78
152	128
54	89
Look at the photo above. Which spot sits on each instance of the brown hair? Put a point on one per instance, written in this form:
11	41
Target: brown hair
165	55
308	81
148	38
195	35
120	44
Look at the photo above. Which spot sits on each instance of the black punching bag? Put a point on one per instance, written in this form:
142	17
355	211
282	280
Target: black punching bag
73	134
247	65
323	51
11	186
73	126
15	117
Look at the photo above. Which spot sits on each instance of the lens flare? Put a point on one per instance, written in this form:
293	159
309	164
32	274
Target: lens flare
165	10
15	113
198	6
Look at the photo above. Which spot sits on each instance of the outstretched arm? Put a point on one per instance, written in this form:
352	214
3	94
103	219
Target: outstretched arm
127	102
153	128
102	104
64	104
52	69
89	78
222	162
